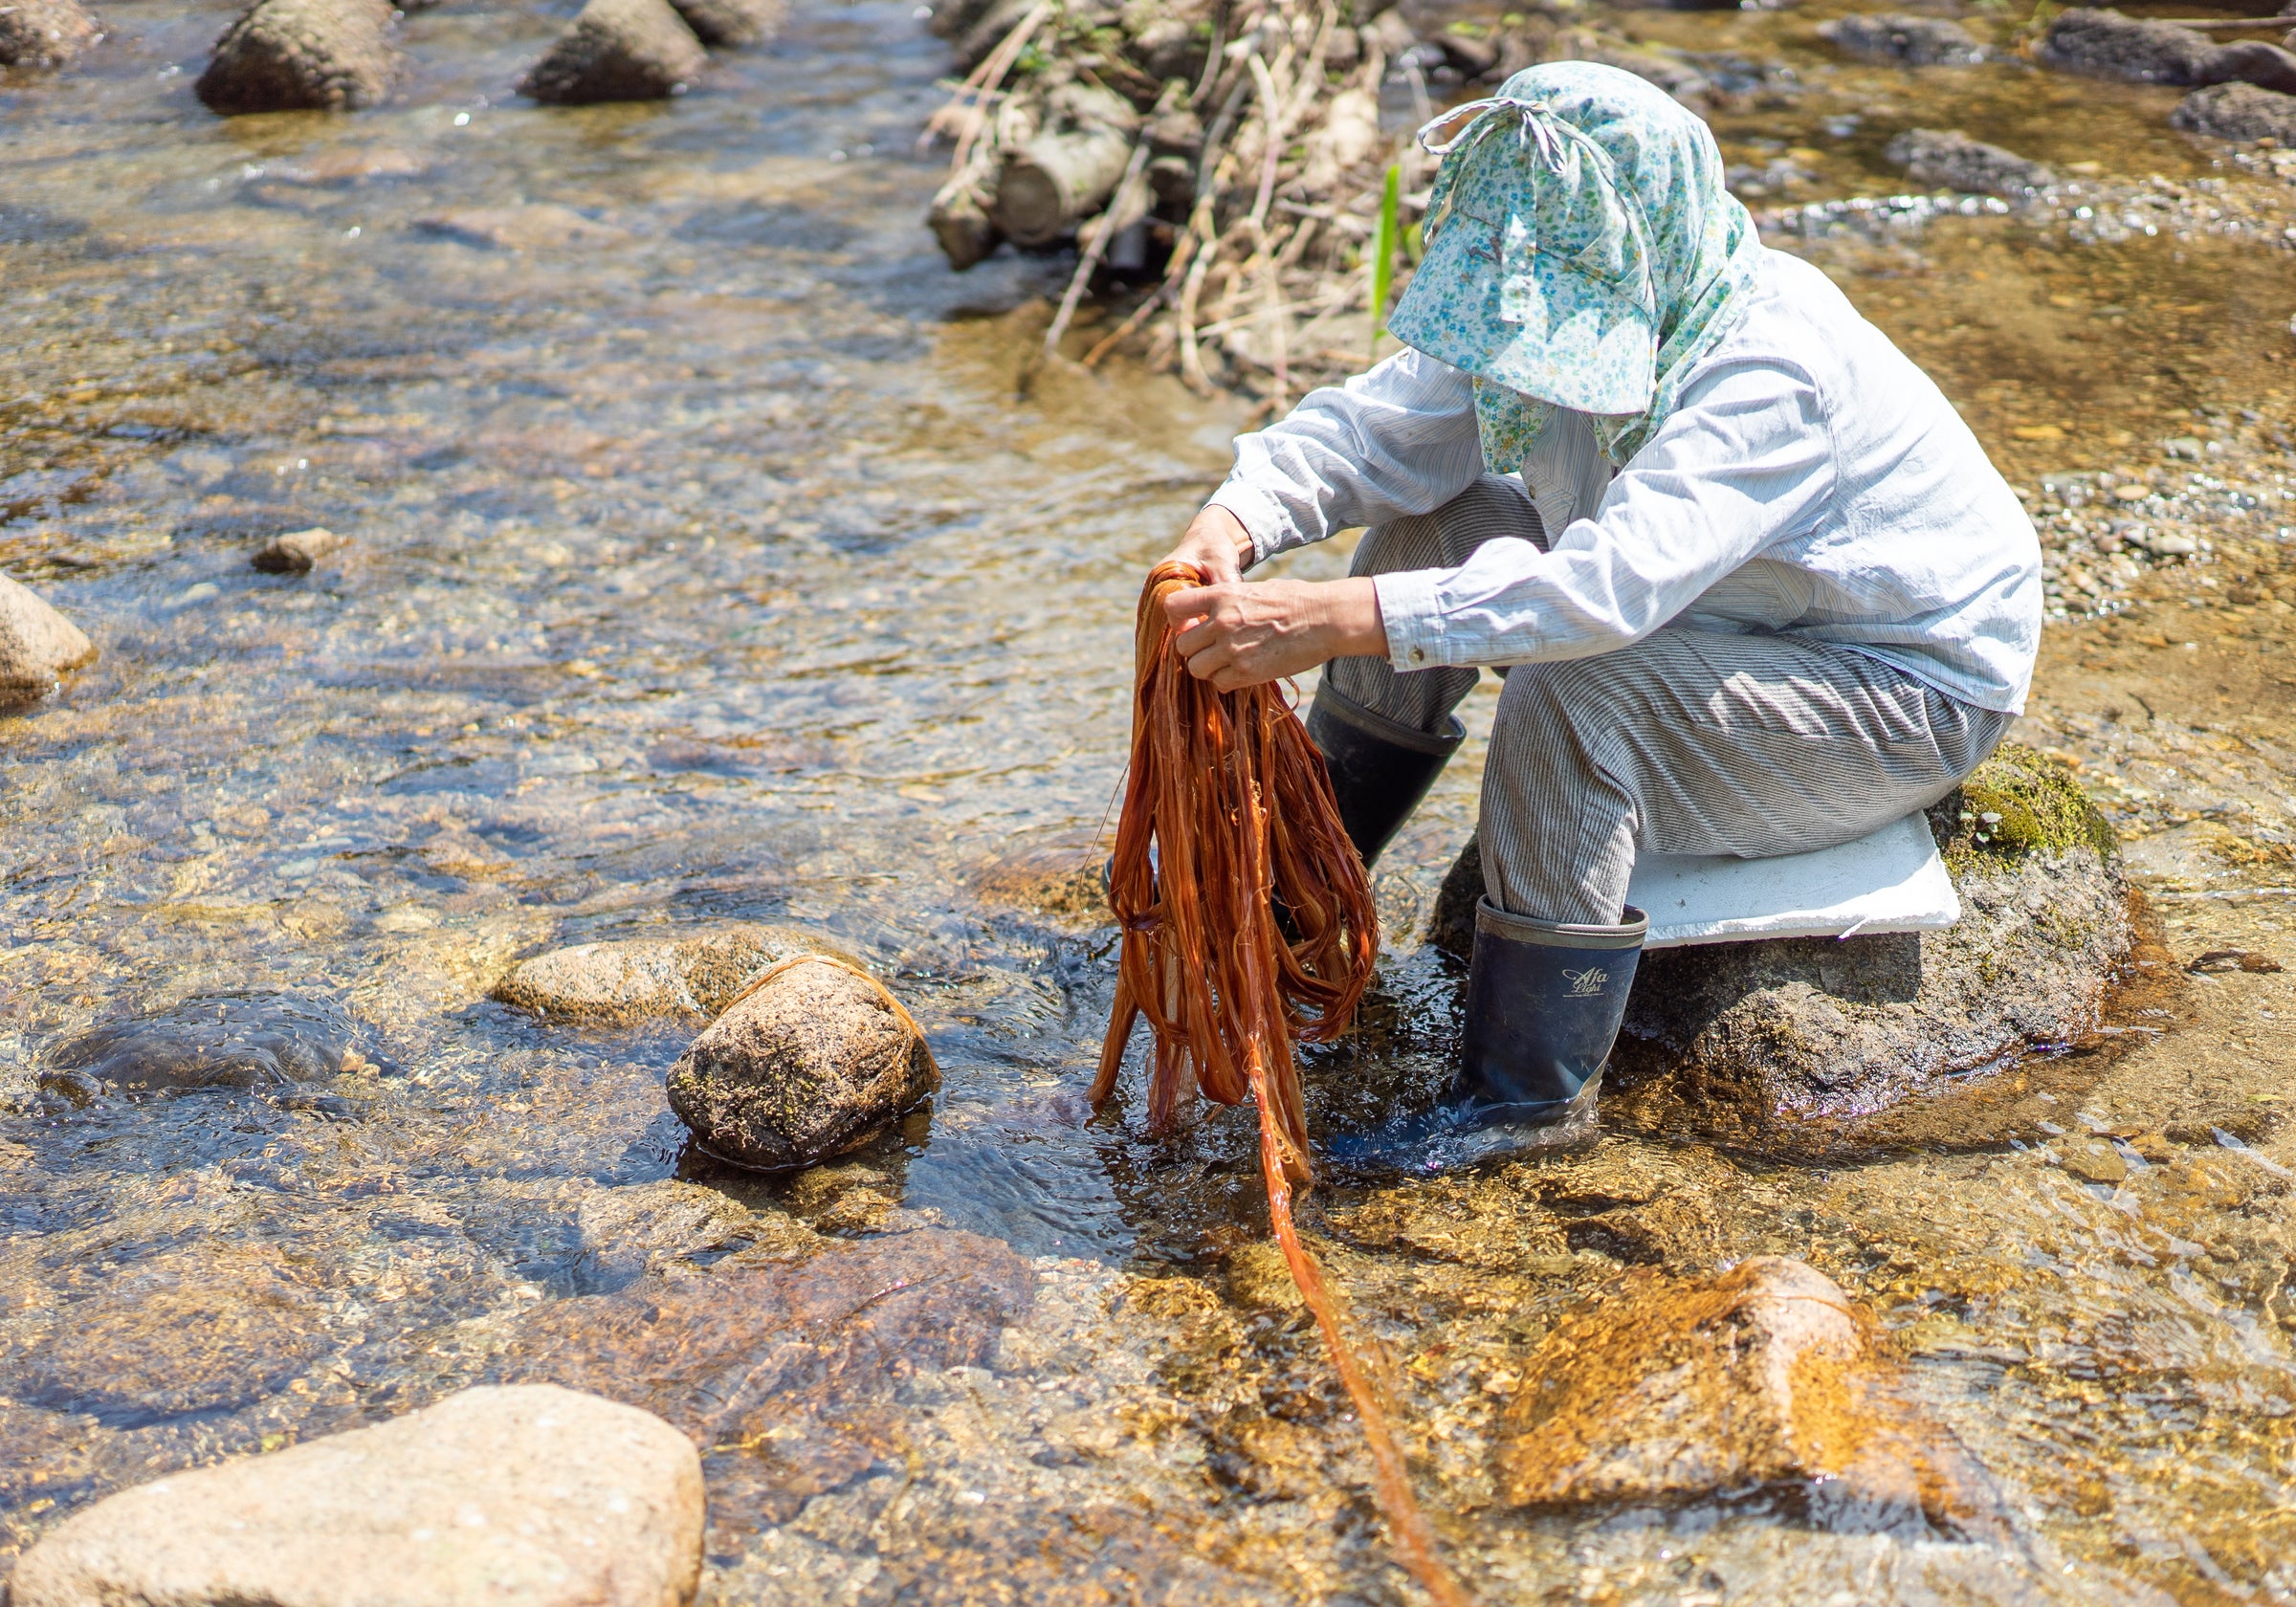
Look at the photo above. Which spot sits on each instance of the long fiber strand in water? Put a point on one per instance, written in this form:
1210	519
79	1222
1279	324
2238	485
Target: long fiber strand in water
1228	816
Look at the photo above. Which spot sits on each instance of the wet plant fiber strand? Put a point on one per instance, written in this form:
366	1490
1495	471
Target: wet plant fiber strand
1228	818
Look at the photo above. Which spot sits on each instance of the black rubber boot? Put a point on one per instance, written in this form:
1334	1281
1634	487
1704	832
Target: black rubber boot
1381	769
1543	1006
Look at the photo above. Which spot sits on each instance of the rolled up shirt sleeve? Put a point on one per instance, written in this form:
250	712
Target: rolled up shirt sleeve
1746	458
1400	439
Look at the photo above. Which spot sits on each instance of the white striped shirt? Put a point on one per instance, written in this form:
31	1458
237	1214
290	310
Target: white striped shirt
1812	481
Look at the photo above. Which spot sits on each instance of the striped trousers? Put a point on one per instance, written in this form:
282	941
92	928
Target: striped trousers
1689	741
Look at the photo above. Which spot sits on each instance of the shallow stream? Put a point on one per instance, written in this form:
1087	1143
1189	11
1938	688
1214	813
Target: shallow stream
718	555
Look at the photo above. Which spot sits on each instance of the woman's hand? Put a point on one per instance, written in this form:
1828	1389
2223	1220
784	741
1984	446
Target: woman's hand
1238	633
1217	543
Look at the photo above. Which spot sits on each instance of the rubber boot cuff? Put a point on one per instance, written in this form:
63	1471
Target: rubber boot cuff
1381	768
1544	1002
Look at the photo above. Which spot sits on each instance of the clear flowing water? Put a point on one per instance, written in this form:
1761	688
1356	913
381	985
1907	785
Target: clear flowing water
717	555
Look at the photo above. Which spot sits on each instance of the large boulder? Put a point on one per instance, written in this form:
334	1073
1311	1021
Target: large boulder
617	50
2238	112
733	23
286	56
37	644
817	1059
1761	1037
1904	38
2252	61
529	1495
653	977
1673	1389
44	32
2107	45
1954	160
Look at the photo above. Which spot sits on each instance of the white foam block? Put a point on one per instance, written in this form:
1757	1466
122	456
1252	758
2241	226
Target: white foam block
1890	880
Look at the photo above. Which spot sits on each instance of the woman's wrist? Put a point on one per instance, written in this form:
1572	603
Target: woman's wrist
1352	622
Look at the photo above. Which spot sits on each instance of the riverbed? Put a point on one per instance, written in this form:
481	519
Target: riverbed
715	555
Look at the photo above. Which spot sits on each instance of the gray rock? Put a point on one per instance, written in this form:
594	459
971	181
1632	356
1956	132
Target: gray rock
1954	160
647	1229
650	978
44	32
816	1062
228	1040
2107	45
2238	112
37	644
2252	61
1910	40
1790	1030
733	23
284	55
529	1495
617	50
296	552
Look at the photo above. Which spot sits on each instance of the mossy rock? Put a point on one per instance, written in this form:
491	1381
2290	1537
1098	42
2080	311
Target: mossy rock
2017	803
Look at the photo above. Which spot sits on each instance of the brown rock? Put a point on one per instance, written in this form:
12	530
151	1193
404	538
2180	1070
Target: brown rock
814	1062
2092	1161
1671	1389
297	551
733	23
531	1496
617	50
284	55
37	644
44	32
647	979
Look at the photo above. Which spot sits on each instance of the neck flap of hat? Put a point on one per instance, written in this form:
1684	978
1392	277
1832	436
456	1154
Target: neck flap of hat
1581	252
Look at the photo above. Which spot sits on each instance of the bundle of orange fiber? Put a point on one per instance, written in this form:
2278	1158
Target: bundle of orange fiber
1248	923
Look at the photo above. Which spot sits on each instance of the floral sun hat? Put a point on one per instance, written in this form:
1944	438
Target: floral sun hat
1582	252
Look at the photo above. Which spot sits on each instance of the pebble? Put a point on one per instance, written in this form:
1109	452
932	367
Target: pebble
37	644
815	1063
283	55
517	1496
296	552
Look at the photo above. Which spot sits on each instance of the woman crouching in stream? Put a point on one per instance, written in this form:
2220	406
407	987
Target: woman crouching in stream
1753	585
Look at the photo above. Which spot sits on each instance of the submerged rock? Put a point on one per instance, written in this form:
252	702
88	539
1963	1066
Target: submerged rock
2239	112
285	56
816	1062
2107	45
733	23
1910	40
44	32
225	1039
297	552
617	50
37	644
1954	160
1671	1389
1788	1030
649	979
534	1495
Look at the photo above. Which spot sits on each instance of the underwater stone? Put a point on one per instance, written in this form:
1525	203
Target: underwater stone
285	56
2107	45
1667	1389
225	1039
529	1495
1768	1034
43	32
649	979
617	50
1911	41
815	1061
297	552
1956	160
37	644
2238	112
2092	1161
